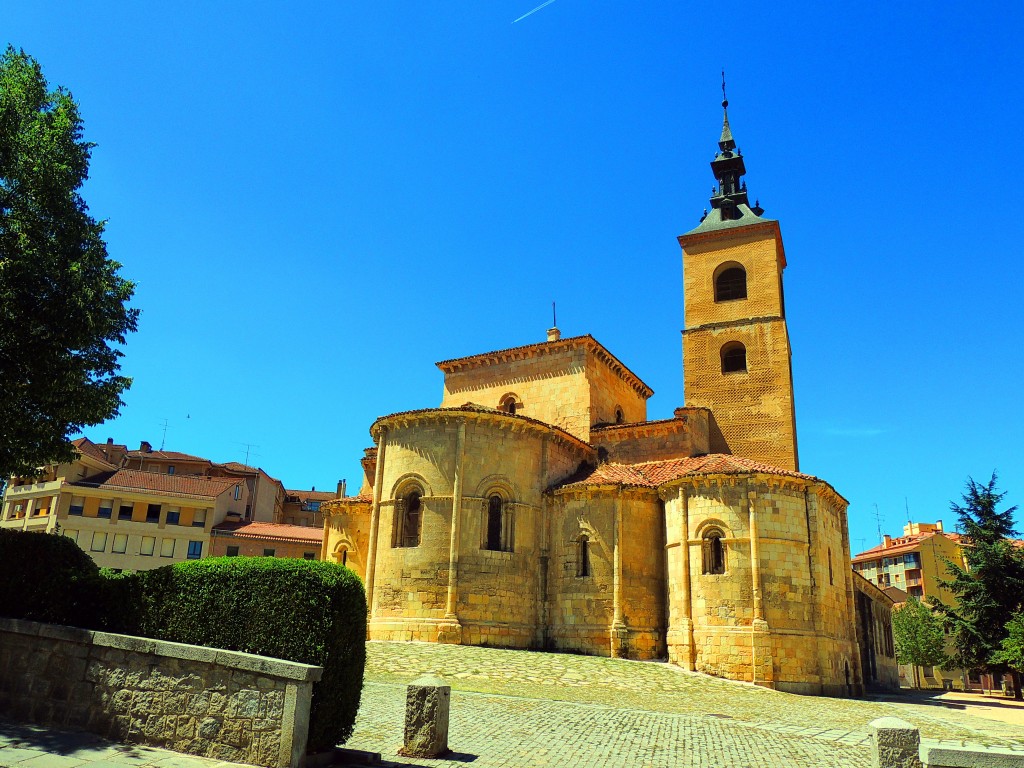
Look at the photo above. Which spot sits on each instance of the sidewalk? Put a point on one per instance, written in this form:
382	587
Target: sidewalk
32	746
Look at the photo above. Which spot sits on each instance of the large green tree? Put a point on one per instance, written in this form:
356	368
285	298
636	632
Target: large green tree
1012	651
63	305
990	590
917	635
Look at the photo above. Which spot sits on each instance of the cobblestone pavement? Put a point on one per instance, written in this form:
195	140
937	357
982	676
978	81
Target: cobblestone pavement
517	708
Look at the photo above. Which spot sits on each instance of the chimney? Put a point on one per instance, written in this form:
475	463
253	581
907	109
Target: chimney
110	441
887	541
145	447
341	488
554	334
938	526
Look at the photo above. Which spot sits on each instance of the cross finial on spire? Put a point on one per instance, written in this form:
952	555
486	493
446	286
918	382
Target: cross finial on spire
725	101
726	142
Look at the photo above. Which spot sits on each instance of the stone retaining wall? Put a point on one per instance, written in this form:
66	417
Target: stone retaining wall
221	704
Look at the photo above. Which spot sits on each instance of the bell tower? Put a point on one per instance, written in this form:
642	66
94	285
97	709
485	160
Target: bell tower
736	353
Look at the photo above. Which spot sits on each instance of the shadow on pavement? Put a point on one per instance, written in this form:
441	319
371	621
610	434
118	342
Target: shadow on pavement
58	742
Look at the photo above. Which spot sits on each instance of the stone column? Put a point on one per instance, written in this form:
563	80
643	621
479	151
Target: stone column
686	605
619	633
762	666
371	552
543	521
895	743
450	631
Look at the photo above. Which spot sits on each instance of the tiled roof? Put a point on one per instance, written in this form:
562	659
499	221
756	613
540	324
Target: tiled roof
898	546
237	466
165	456
309	495
651	474
87	447
271	531
177	485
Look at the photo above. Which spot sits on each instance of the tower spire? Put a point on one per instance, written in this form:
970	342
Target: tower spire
729	198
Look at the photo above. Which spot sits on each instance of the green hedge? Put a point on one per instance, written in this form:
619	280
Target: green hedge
300	610
47	578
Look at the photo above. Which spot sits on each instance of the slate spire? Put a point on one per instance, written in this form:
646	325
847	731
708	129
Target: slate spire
728	168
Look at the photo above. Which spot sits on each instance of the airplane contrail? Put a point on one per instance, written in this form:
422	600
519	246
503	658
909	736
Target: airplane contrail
530	13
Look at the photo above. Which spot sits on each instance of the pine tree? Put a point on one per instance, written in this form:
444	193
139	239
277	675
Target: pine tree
63	306
917	635
991	589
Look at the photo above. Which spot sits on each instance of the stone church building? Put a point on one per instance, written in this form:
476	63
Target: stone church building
538	507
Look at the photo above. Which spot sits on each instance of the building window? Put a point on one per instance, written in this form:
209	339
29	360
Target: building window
232	552
238	492
170	469
509	404
153	513
167	548
731	283
408	514
269	552
342	556
928	671
73	535
147	546
195	550
99	542
173	516
77	505
713	552
620	417
199	518
124	512
106	510
734	358
830	579
498	525
120	543
583	556
309	555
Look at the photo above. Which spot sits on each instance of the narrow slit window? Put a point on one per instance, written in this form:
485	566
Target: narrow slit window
583	556
494	523
713	552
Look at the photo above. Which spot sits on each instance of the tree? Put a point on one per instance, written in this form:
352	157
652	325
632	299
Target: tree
917	635
63	305
1011	653
991	589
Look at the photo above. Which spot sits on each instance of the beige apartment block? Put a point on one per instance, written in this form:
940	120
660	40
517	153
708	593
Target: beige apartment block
127	519
537	507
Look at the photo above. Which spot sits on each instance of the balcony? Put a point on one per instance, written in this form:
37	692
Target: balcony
22	491
915	582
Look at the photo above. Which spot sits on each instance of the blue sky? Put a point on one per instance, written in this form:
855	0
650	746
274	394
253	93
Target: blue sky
320	201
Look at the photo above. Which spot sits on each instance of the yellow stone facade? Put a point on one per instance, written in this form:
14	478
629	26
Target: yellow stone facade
537	507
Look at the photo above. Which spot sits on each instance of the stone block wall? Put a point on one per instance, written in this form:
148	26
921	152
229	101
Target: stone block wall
220	704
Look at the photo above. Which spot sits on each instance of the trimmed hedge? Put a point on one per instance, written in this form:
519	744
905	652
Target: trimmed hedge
47	578
300	610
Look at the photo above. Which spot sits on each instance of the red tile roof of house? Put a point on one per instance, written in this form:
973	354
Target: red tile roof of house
237	466
165	456
271	531
901	544
87	447
651	474
191	486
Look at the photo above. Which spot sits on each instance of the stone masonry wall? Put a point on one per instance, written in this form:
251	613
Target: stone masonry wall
220	704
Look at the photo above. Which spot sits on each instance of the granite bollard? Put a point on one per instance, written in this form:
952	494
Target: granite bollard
427	702
895	743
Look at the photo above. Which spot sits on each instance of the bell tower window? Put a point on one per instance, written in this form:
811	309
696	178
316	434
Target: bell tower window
734	358
730	283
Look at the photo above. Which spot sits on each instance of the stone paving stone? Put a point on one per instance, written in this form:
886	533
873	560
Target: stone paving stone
13	755
52	761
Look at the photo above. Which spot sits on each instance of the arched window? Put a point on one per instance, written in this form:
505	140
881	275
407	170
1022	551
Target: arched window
408	514
494	523
730	282
341	555
583	556
713	552
498	524
509	403
734	358
620	417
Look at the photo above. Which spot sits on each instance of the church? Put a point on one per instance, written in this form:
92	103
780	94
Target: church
538	507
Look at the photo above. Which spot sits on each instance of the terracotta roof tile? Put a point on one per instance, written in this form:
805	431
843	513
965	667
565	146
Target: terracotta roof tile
87	447
165	456
903	544
271	531
651	474
177	485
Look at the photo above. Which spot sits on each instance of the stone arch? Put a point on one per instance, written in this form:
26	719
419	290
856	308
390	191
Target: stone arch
510	402
730	281
497	513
